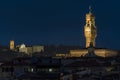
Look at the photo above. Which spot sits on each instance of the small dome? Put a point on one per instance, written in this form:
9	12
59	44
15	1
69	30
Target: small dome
22	46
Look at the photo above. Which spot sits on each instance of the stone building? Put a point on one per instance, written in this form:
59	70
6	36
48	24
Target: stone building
90	32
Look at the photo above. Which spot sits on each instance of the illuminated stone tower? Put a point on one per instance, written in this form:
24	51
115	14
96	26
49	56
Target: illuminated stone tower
12	45
90	30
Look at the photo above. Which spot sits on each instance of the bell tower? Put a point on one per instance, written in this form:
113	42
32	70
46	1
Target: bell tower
90	30
12	45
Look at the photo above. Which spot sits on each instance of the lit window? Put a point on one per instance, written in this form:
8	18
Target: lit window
50	70
31	69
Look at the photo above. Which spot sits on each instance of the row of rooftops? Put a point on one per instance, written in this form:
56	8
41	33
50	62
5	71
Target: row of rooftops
59	63
49	61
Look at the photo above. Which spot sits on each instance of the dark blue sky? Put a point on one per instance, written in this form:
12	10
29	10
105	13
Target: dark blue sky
58	22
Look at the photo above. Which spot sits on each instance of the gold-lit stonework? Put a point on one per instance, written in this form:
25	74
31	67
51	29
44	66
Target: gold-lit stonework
98	51
90	31
12	45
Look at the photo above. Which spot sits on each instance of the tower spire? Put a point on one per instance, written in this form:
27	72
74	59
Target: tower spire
90	9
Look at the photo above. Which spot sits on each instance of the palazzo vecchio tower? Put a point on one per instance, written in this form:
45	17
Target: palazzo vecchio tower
90	30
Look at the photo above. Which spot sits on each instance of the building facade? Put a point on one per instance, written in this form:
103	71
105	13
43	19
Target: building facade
102	52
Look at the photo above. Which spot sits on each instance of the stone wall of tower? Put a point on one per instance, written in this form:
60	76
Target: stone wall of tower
90	40
90	30
12	45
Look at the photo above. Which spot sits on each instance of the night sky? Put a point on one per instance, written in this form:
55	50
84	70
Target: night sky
58	22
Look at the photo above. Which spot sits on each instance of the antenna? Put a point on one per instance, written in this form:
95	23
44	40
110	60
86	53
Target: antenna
90	9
